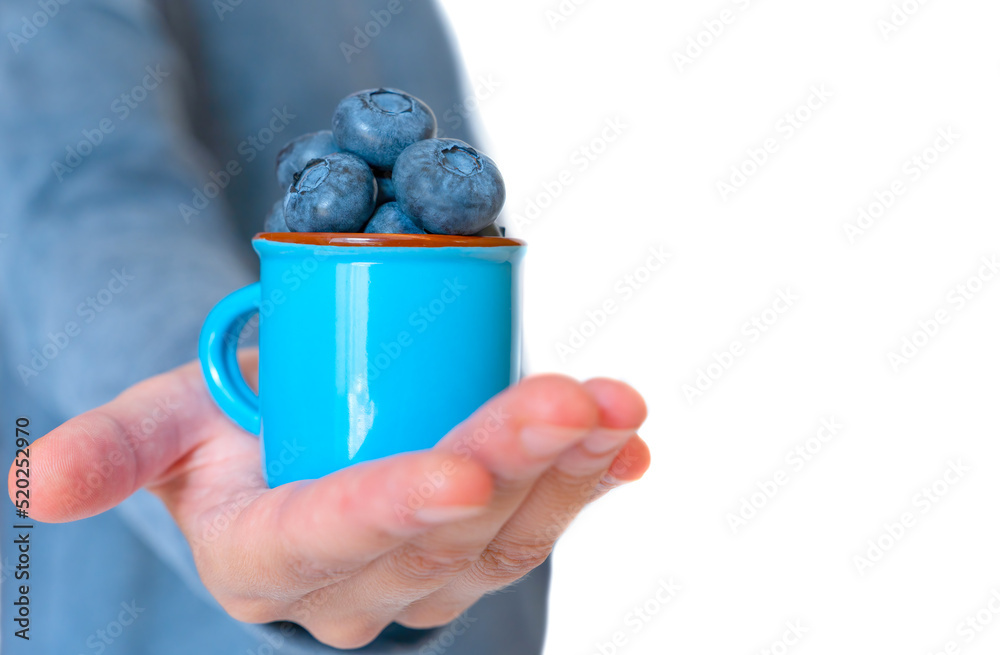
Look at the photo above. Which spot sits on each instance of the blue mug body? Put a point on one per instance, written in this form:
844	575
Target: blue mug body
370	345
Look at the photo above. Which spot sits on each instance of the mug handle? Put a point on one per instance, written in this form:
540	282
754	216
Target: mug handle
217	351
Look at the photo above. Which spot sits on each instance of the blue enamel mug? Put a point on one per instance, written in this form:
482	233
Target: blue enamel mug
370	344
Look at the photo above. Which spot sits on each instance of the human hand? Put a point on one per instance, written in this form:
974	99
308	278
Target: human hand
414	539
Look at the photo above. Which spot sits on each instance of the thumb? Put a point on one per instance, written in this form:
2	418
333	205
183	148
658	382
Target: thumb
93	462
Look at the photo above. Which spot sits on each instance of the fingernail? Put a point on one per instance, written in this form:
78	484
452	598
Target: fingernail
544	441
604	440
435	515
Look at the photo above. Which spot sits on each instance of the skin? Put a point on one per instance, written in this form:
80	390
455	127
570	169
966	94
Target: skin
346	555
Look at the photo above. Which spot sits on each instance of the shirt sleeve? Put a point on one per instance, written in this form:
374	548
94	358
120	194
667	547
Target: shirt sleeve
105	273
100	261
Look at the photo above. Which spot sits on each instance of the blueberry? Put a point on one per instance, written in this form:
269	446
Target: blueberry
386	190
491	230
276	218
390	219
378	124
448	187
299	152
333	194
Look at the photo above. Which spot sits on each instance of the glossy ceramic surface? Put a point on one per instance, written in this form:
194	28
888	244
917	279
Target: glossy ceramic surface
365	350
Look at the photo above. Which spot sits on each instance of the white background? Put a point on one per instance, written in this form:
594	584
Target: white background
796	559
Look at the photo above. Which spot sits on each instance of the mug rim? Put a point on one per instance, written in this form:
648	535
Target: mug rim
385	240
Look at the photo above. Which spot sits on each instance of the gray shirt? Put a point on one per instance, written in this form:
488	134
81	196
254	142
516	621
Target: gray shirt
137	146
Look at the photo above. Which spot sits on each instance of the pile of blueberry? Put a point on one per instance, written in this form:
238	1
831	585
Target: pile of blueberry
381	170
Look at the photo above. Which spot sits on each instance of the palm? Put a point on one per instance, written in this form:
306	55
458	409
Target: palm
349	553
